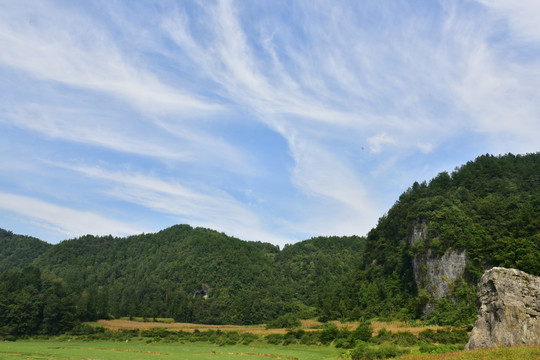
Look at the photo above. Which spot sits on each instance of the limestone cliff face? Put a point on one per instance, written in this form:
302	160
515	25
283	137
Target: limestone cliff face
434	273
509	312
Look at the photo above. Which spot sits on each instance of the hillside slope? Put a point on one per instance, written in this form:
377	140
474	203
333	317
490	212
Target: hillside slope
488	209
19	251
157	275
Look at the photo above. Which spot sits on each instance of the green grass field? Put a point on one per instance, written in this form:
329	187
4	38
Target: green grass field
110	350
517	353
75	350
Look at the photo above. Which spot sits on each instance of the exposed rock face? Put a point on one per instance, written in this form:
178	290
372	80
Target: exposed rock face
509	312
434	273
419	233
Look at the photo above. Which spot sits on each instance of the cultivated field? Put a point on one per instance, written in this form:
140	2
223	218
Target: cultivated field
307	325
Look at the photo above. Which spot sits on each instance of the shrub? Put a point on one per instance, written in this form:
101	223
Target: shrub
8	338
366	352
401	338
293	337
344	343
121	335
248	338
363	332
287	321
227	338
157	333
449	313
383	336
439	349
443	336
310	338
231	337
274	339
427	348
85	329
329	334
404	338
290	338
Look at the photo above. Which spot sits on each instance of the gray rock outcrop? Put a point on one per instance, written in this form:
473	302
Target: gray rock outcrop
434	273
509	312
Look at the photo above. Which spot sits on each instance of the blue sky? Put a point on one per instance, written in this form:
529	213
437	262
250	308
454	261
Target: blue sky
267	120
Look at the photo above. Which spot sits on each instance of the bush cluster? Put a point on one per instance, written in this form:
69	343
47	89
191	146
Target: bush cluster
366	352
401	338
330	333
287	321
438	349
444	336
218	337
387	344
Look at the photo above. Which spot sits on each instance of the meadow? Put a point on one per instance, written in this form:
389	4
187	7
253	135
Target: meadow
516	353
143	338
111	350
77	350
164	339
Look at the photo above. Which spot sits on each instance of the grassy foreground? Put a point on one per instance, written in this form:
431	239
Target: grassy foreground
109	350
77	350
517	353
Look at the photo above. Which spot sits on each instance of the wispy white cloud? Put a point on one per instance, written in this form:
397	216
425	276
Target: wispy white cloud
231	62
410	82
522	16
62	46
377	142
160	119
206	206
169	197
343	203
161	138
501	101
91	127
495	88
64	220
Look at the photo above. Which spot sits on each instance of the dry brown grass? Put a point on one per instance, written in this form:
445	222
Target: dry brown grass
393	326
116	325
307	325
396	326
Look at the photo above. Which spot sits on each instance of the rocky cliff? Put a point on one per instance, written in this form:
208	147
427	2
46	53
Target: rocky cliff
509	312
436	274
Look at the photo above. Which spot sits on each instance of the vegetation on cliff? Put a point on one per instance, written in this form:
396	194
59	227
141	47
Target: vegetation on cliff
489	207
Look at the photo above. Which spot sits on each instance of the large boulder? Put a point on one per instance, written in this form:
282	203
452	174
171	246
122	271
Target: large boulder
509	312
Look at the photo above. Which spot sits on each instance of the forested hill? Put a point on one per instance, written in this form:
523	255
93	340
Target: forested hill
157	275
18	251
488	210
490	207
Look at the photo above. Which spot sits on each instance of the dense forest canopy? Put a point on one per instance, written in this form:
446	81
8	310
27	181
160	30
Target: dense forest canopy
158	275
18	251
489	208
